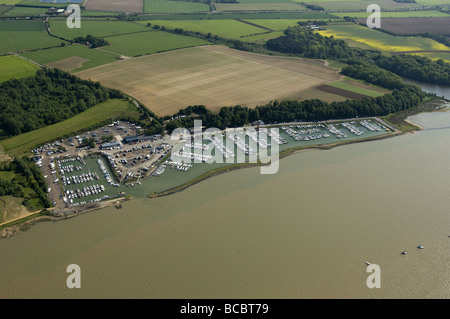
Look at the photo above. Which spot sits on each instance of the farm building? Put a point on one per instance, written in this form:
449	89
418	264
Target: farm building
110	145
130	139
150	137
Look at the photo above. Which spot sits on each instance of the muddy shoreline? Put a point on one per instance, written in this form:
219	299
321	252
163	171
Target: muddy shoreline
55	216
9	231
294	150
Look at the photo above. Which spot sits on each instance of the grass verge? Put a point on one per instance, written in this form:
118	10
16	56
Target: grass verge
106	111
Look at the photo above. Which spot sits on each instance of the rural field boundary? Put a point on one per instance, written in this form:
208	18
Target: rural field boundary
24	58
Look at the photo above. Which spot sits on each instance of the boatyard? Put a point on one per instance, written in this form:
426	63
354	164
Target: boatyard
85	183
80	174
95	165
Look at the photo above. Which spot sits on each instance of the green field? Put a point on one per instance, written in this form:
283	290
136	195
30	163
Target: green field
276	24
432	2
436	56
150	42
272	6
262	38
237	15
10	2
358	87
25	12
315	1
231	29
14	67
360	5
88	13
167	6
268	1
97	27
93	57
4	9
24	35
44	4
111	109
400	14
380	40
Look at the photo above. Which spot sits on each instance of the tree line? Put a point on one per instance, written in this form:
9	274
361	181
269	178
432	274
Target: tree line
287	111
312	6
26	176
91	41
48	97
306	43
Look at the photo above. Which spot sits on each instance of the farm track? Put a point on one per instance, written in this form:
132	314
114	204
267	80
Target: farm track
39	65
255	25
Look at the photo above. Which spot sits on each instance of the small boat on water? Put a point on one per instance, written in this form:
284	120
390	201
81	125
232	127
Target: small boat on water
403	252
420	247
367	263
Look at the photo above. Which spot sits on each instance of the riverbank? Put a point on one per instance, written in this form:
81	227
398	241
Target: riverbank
285	235
12	228
399	119
7	230
285	153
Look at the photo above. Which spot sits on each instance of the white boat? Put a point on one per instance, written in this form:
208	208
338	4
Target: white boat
420	247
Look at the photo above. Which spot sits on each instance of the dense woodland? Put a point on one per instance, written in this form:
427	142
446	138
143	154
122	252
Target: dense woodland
26	176
417	68
48	97
373	74
305	43
310	110
312	6
91	41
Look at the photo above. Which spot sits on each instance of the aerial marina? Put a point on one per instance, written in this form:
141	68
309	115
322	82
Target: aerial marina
105	173
221	147
83	182
350	127
260	139
241	144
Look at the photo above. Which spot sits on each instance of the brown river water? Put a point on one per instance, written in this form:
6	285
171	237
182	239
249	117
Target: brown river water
305	232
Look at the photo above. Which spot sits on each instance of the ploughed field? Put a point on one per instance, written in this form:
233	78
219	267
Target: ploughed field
213	76
439	25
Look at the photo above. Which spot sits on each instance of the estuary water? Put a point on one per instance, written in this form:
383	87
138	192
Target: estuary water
305	232
439	90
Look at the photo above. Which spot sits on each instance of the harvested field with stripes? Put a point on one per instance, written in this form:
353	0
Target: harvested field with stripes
214	76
